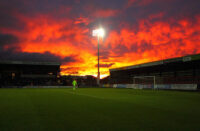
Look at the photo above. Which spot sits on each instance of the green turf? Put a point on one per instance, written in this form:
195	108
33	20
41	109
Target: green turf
94	109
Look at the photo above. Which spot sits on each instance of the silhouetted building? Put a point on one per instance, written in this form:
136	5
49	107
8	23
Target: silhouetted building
18	73
181	70
105	80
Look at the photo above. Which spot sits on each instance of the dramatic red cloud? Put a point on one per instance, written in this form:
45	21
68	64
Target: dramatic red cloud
155	41
82	20
105	13
65	38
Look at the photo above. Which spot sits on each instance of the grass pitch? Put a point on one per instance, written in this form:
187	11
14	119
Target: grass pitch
98	109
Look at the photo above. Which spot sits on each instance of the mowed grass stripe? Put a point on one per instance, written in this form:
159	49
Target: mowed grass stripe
165	100
98	109
169	102
17	111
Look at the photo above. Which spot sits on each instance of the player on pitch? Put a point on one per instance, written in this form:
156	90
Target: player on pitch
74	83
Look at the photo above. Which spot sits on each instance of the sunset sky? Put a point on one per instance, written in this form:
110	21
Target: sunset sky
137	31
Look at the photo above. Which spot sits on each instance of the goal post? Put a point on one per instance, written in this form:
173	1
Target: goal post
145	80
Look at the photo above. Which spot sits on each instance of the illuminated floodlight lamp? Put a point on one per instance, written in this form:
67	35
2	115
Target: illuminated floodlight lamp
99	32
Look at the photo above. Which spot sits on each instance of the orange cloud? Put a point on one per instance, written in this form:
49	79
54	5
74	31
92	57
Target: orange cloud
82	20
128	46
155	41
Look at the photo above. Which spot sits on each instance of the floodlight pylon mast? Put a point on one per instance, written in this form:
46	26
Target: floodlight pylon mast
99	33
98	75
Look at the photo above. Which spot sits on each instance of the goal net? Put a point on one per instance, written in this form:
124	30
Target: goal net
145	80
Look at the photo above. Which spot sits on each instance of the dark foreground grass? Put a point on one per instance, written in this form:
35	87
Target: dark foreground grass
98	109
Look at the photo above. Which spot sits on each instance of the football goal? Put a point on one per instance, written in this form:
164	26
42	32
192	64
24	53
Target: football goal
145	80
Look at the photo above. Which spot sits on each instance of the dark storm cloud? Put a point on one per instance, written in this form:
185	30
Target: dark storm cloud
105	65
35	6
113	4
8	11
19	56
36	57
69	59
57	9
12	54
8	20
131	14
7	39
175	9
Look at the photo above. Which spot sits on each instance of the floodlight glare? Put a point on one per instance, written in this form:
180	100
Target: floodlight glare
99	32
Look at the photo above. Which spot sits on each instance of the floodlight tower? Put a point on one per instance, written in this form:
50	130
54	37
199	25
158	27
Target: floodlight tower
99	33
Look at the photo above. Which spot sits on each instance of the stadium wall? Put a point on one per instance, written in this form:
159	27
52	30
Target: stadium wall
160	86
37	87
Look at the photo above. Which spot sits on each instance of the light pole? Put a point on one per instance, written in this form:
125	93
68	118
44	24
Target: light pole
99	33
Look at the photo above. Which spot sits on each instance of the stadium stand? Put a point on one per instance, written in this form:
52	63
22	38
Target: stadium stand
18	73
181	70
